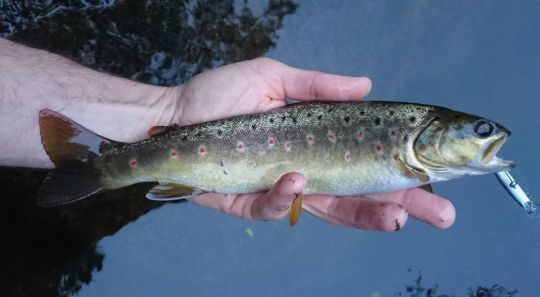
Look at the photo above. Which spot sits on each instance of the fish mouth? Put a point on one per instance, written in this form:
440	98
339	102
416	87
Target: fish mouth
489	159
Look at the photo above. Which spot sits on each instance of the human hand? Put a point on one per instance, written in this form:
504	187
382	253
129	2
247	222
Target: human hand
262	84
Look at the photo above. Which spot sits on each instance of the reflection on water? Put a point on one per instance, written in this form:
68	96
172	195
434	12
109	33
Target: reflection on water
52	252
161	41
418	289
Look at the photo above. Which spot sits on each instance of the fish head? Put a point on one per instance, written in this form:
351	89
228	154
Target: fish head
453	144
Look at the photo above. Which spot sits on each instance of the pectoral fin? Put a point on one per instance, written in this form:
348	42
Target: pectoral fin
427	187
411	171
296	208
170	191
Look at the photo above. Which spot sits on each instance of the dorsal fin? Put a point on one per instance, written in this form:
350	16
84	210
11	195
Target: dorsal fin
160	130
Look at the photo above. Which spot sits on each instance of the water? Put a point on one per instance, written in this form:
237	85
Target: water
480	57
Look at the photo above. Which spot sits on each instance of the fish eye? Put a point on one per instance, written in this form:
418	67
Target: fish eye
483	128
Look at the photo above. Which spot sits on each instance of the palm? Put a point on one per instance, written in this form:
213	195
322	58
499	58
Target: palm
260	85
230	90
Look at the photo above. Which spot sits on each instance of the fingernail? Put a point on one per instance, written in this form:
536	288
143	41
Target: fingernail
446	216
398	225
365	80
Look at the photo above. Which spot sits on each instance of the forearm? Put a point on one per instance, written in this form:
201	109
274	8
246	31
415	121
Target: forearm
113	107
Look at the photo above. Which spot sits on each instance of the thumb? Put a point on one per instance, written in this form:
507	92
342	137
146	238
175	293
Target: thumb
275	204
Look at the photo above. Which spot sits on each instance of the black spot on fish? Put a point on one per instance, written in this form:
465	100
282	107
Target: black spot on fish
221	163
362	112
271	120
405	139
184	137
225	172
391	113
412	119
347	119
283	118
253	126
319	117
377	121
219	132
294	120
308	115
330	109
198	134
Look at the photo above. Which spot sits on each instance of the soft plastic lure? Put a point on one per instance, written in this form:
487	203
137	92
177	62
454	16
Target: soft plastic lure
516	191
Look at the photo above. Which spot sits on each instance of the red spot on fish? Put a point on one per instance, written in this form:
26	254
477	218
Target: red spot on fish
271	142
378	147
173	154
310	138
332	137
133	163
287	146
348	156
360	135
241	146
393	132
202	150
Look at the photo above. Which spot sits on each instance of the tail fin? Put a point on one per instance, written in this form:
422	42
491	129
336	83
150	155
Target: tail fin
74	150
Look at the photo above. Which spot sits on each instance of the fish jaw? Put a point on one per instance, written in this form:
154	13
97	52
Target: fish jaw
488	162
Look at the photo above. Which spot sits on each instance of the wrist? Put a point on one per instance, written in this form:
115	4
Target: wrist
114	107
127	111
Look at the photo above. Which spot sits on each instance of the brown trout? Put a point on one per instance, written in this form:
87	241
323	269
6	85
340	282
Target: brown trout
345	148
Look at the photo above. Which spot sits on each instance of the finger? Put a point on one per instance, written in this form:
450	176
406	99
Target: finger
423	206
272	205
275	204
294	83
357	212
312	85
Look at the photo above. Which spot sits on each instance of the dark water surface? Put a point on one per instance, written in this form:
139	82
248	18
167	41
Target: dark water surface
481	57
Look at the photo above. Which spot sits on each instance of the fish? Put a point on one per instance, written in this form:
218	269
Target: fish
342	148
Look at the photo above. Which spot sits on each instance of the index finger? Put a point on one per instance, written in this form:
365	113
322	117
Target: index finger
313	85
300	84
423	205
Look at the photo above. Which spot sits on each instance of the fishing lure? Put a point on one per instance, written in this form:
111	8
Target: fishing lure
516	191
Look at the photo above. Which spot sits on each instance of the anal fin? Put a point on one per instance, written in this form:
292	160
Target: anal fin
171	191
296	208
